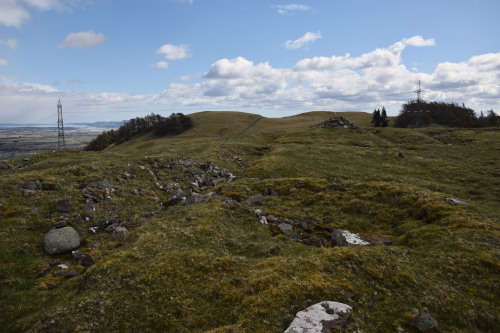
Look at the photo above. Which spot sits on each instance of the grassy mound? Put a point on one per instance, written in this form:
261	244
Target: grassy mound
211	267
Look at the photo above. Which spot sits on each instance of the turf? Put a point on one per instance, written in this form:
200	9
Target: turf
211	267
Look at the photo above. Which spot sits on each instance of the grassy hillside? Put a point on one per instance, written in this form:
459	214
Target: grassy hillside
212	267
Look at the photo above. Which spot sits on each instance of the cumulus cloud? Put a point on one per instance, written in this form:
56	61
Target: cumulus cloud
290	8
339	83
308	37
12	43
84	39
161	64
380	57
174	52
14	13
3	62
419	41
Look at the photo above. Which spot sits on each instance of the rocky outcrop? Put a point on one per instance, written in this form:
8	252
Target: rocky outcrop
337	122
61	241
320	318
313	233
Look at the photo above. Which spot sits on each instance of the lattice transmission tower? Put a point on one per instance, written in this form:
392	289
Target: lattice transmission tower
60	127
417	119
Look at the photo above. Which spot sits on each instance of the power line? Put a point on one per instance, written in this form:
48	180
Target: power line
39	120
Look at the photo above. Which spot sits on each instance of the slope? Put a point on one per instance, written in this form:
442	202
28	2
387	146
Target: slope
209	265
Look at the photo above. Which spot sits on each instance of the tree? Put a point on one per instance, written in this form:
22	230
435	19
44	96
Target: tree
376	120
175	124
492	118
383	118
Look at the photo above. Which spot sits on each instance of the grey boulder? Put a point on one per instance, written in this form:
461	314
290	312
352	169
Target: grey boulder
60	241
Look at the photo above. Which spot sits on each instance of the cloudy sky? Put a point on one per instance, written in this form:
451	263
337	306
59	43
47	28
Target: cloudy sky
118	59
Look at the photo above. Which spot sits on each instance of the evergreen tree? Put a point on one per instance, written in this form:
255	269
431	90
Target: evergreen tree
383	118
376	118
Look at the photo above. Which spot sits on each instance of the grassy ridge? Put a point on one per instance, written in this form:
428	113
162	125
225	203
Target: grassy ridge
210	267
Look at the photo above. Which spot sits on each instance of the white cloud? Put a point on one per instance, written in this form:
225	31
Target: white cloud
12	43
419	41
338	83
174	52
285	9
14	13
308	37
161	64
3	62
381	57
84	39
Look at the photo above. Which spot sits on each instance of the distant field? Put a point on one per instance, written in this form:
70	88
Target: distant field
15	141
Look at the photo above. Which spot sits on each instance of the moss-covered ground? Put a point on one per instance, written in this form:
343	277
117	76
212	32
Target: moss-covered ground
211	267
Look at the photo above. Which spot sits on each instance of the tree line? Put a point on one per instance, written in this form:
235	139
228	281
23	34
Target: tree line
421	113
176	123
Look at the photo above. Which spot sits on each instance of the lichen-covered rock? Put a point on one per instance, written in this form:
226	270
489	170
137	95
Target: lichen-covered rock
425	323
254	199
119	234
64	205
60	241
320	318
285	228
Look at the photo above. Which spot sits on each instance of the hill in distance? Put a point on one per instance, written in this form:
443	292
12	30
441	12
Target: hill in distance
233	226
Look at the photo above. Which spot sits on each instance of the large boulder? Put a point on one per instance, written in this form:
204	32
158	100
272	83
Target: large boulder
60	241
321	317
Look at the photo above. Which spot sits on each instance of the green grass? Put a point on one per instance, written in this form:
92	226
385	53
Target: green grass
210	267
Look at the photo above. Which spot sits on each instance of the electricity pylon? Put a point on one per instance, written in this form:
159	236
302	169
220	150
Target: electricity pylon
60	127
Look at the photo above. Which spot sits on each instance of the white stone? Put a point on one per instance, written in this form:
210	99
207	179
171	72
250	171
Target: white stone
313	319
353	239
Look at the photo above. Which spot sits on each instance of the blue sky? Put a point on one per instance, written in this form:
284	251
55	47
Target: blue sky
275	58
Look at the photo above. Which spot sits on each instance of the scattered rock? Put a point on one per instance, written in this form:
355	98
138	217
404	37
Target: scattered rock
254	199
64	205
105	186
338	238
315	241
89	206
29	193
32	185
83	259
71	274
285	228
119	234
383	240
55	262
425	323
320	318
333	180
102	224
60	224
453	201
354	239
60	241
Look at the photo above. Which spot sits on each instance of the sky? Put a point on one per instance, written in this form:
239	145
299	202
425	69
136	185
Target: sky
120	59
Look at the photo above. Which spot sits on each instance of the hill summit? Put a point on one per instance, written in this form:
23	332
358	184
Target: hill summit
247	224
